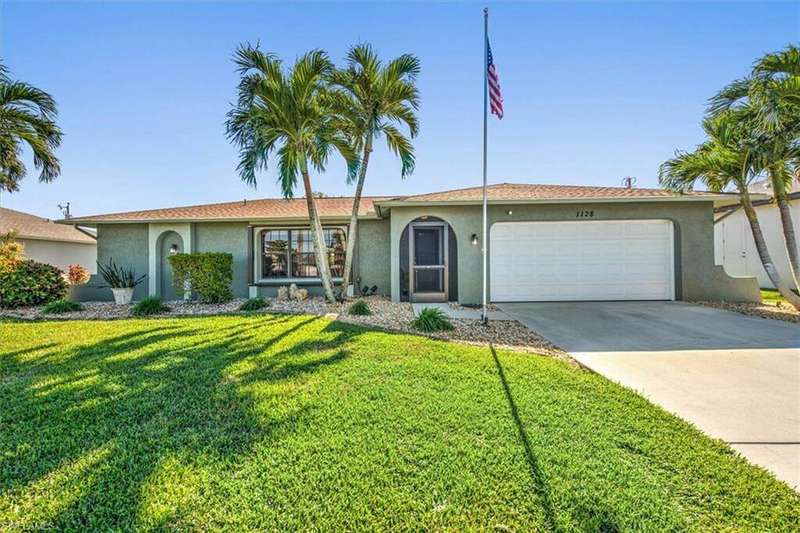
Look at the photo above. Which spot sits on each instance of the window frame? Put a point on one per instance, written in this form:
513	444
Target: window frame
258	255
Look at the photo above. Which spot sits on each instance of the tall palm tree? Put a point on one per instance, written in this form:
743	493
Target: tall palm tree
287	114
721	162
372	100
27	117
769	100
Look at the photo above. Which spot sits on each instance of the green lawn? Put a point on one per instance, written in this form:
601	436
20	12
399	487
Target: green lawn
296	422
771	297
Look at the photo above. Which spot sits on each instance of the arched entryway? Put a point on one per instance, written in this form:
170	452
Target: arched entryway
428	261
169	243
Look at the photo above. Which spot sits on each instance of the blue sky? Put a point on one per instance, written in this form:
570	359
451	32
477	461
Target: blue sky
593	91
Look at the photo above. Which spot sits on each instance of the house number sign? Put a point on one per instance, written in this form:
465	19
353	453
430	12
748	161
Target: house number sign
584	213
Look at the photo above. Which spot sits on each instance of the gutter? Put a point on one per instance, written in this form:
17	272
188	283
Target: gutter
254	221
421	203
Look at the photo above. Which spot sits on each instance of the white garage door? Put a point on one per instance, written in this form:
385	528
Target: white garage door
586	260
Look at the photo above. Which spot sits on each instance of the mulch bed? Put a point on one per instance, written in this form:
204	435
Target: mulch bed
786	312
386	315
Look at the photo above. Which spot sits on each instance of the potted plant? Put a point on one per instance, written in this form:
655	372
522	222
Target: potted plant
121	281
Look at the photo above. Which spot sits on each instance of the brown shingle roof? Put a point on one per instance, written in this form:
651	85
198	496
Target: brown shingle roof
339	207
529	191
32	227
242	210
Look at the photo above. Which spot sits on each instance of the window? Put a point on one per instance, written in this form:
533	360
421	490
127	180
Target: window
290	253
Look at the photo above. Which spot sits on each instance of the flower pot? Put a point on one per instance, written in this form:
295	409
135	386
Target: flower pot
123	296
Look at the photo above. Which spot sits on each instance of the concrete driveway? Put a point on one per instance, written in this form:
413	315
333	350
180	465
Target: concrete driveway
735	377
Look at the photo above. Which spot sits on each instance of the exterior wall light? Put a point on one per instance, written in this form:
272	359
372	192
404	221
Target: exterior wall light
509	212
474	239
173	249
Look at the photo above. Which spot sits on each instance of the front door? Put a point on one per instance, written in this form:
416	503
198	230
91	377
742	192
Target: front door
428	262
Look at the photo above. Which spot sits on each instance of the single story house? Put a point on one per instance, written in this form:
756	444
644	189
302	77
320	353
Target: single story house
546	243
51	243
734	247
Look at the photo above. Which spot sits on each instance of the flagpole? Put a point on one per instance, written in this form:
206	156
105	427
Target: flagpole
484	315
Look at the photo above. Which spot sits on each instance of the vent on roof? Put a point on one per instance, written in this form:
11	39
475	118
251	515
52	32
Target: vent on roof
628	182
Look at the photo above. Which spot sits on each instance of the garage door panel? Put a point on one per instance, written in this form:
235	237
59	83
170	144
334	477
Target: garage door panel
587	260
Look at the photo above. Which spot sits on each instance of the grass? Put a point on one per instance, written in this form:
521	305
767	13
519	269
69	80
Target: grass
273	422
58	307
771	297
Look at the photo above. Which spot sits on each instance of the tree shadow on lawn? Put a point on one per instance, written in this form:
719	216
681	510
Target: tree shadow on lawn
150	394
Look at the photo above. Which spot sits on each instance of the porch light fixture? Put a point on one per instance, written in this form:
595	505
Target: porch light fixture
474	239
509	212
173	249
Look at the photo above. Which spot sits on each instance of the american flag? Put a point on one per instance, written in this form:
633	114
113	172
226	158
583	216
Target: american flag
495	97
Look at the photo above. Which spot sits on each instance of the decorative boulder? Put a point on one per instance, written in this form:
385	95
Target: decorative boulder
293	291
301	294
283	293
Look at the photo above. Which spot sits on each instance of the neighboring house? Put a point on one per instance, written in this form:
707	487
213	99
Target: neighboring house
734	247
546	243
48	242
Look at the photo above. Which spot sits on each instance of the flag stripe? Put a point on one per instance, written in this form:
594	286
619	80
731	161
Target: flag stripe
495	96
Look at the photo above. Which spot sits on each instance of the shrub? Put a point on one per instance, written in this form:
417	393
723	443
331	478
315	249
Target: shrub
254	304
431	319
78	275
359	308
118	277
61	306
149	306
30	283
11	250
208	274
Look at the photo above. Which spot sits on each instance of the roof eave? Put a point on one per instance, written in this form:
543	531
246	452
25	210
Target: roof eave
54	239
718	199
249	220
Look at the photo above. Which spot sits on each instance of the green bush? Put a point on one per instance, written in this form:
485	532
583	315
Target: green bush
431	319
61	306
149	306
31	283
208	274
254	304
359	308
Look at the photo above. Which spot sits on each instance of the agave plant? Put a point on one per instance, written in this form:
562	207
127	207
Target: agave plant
118	277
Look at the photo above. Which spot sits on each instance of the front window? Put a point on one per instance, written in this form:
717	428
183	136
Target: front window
290	253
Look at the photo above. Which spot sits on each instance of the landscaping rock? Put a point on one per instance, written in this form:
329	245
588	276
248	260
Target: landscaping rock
283	293
386	315
785	312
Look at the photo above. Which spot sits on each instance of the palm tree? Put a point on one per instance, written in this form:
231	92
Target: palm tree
372	100
288	115
27	116
721	162
770	100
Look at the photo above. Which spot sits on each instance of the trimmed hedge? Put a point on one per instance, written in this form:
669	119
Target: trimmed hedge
30	283
208	274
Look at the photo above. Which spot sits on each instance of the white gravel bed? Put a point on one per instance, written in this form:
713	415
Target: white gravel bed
785	312
110	310
385	315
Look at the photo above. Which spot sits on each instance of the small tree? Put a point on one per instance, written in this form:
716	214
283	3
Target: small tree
27	117
11	250
724	161
288	115
375	100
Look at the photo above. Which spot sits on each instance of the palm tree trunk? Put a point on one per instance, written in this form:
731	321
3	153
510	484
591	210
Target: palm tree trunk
763	253
320	249
353	232
790	238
